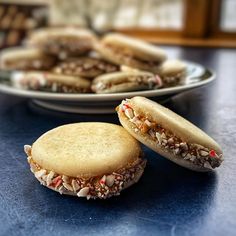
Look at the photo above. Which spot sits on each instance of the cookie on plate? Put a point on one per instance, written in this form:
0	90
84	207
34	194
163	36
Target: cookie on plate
20	58
87	67
169	134
92	160
173	73
51	82
63	42
124	50
126	81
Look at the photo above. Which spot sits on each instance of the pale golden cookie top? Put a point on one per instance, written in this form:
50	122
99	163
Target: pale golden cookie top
86	149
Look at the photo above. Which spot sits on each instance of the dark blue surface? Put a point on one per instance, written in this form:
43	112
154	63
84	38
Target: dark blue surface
168	200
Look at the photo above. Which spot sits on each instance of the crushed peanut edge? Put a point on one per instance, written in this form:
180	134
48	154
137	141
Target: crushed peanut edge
149	81
80	66
194	153
39	83
96	187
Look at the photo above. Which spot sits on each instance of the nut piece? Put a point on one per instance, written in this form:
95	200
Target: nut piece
103	180
49	178
192	158
163	135
164	142
65	179
110	180
68	186
176	151
138	175
207	165
40	173
152	133
129	113
83	192
33	167
27	149
187	157
159	138
61	189
170	141
184	146
75	185
44	178
148	123
203	153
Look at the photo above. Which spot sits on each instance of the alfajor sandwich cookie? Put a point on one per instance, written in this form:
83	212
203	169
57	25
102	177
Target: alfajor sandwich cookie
173	73
51	82
87	67
19	58
126	81
169	134
63	42
92	160
124	50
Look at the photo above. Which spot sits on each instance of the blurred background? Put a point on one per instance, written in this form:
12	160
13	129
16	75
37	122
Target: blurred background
181	22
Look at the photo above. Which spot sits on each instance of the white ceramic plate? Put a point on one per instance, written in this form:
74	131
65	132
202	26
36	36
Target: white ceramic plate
104	103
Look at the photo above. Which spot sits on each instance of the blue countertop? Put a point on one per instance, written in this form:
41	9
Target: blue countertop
168	200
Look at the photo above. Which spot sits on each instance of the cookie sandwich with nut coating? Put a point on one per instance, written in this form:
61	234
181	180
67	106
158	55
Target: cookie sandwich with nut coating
169	134
124	50
51	82
63	42
19	58
172	73
126	81
92	160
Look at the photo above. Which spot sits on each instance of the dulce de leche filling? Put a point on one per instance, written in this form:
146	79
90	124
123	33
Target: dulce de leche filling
95	187
194	153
